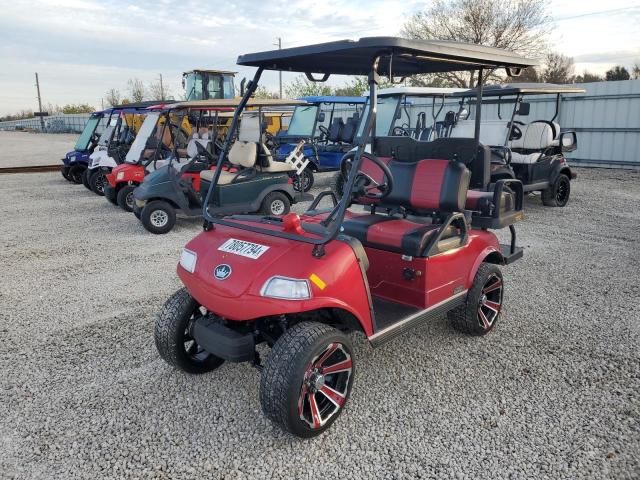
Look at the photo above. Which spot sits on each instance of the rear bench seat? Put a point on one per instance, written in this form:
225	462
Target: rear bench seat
426	186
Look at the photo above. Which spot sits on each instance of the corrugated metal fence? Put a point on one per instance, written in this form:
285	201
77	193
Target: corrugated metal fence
71	123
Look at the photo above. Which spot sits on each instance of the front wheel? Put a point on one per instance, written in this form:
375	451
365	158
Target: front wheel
173	337
557	195
158	217
303	182
276	203
64	170
97	180
337	184
75	173
84	178
481	309
125	198
307	378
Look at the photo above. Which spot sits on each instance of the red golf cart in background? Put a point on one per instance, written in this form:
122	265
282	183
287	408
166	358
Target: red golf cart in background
407	243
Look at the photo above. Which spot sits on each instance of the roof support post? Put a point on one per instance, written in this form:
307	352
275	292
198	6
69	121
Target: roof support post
228	140
476	133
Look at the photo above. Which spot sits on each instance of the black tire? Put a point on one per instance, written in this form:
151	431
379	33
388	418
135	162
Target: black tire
158	217
111	195
304	182
85	178
125	198
289	377
97	180
557	195
173	340
64	170
337	185
75	173
475	317
137	211
275	203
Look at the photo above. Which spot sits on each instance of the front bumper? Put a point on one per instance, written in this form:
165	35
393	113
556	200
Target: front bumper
223	342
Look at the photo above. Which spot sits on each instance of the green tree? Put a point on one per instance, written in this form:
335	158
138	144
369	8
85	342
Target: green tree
617	73
587	77
79	108
263	92
303	87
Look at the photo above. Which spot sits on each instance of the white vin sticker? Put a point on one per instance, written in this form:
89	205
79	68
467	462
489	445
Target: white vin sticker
245	249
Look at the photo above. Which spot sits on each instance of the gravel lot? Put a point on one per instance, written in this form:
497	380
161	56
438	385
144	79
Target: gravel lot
553	392
24	148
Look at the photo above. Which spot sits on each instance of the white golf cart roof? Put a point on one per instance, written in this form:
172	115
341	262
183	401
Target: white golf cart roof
417	91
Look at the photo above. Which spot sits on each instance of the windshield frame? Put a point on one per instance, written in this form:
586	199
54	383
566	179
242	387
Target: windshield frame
87	133
141	140
313	125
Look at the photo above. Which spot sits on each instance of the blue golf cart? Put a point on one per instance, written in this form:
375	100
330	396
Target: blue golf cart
327	125
76	161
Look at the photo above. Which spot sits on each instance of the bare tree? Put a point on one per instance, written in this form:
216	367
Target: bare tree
517	25
159	91
558	68
635	71
112	97
136	88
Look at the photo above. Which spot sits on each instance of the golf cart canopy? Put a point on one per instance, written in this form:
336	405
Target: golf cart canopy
138	106
509	89
399	57
333	99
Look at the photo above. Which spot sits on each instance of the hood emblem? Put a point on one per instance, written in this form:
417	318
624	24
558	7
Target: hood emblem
222	271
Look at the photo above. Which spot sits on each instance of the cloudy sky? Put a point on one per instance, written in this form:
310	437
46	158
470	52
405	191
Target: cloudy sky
81	48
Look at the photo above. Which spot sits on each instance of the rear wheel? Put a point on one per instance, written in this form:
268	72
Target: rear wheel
173	337
125	198
337	184
307	378
97	180
483	304
75	173
276	203
304	181
557	195
158	217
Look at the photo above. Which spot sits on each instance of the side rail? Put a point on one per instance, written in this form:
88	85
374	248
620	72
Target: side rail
508	201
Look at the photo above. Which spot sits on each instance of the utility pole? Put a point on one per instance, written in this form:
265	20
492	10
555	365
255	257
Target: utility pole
161	89
279	44
39	103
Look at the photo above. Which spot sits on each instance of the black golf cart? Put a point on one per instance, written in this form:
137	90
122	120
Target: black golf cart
250	181
531	151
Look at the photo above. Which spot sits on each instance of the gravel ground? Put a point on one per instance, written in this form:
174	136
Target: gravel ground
23	148
551	393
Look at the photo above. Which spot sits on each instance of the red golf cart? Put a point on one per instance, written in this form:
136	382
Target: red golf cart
399	249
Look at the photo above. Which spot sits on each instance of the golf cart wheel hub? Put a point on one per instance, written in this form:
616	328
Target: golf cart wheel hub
159	218
325	385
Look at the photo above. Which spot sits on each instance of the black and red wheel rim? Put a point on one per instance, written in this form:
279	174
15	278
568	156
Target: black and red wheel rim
325	385
490	302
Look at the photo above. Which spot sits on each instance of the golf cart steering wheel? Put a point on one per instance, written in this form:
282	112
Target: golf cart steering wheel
324	131
400	132
269	140
516	133
364	183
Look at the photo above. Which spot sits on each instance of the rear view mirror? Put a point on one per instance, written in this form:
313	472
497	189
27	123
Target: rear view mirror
321	117
568	141
524	109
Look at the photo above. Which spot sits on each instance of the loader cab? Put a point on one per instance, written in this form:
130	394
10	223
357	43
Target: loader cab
208	84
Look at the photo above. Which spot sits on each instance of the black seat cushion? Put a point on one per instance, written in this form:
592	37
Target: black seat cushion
392	234
335	130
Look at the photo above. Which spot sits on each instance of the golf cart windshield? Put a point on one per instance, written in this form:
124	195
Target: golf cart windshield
85	137
107	133
385	116
140	143
303	121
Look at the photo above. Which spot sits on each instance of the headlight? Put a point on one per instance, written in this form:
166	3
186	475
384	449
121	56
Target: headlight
188	260
120	176
287	288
